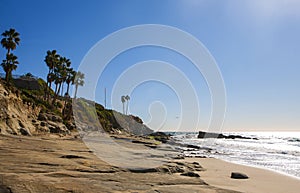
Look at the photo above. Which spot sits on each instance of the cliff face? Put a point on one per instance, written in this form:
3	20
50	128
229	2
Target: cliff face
15	115
18	117
21	113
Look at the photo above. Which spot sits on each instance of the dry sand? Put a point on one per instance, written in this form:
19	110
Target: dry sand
260	180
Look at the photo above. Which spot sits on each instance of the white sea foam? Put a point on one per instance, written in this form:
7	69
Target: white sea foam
278	151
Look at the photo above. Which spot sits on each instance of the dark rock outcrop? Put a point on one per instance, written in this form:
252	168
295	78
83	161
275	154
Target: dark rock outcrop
52	123
190	174
160	136
203	134
73	157
25	131
4	189
237	175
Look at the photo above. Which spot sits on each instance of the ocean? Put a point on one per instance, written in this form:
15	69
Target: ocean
277	151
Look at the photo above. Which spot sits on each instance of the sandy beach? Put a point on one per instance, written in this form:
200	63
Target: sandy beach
53	164
260	180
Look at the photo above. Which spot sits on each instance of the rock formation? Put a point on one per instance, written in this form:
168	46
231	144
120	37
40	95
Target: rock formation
237	175
203	134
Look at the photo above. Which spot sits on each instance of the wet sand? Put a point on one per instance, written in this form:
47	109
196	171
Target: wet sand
260	180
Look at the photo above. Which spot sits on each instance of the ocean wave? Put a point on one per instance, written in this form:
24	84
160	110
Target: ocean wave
276	151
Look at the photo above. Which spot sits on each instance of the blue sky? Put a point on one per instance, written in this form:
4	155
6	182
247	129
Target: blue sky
255	43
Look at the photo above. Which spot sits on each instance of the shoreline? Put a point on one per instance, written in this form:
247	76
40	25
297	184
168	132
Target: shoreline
260	167
260	180
274	152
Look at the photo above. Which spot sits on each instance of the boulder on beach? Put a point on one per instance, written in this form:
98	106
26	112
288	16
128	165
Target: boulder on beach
238	175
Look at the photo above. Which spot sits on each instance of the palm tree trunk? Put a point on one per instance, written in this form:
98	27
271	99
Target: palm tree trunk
56	87
59	87
62	90
6	77
76	87
46	95
54	97
123	109
127	107
68	86
50	85
56	93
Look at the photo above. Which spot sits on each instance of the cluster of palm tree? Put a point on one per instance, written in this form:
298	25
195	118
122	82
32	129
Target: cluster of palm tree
61	73
123	100
10	40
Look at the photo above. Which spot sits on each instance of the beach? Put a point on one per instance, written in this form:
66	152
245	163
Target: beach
54	164
150	96
260	180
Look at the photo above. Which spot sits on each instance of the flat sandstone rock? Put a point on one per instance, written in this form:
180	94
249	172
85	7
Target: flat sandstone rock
34	165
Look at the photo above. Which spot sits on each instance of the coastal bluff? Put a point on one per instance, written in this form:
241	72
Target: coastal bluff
23	111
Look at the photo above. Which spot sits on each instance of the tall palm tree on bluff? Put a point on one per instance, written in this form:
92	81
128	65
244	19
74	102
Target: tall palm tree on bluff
58	76
70	78
66	63
8	65
127	99
123	100
11	40
51	59
78	81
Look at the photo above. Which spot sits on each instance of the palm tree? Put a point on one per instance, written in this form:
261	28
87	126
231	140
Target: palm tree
8	65
59	73
70	78
127	99
58	78
66	63
123	100
11	40
78	81
50	78
51	59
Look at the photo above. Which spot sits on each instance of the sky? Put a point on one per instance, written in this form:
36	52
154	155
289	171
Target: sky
255	44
